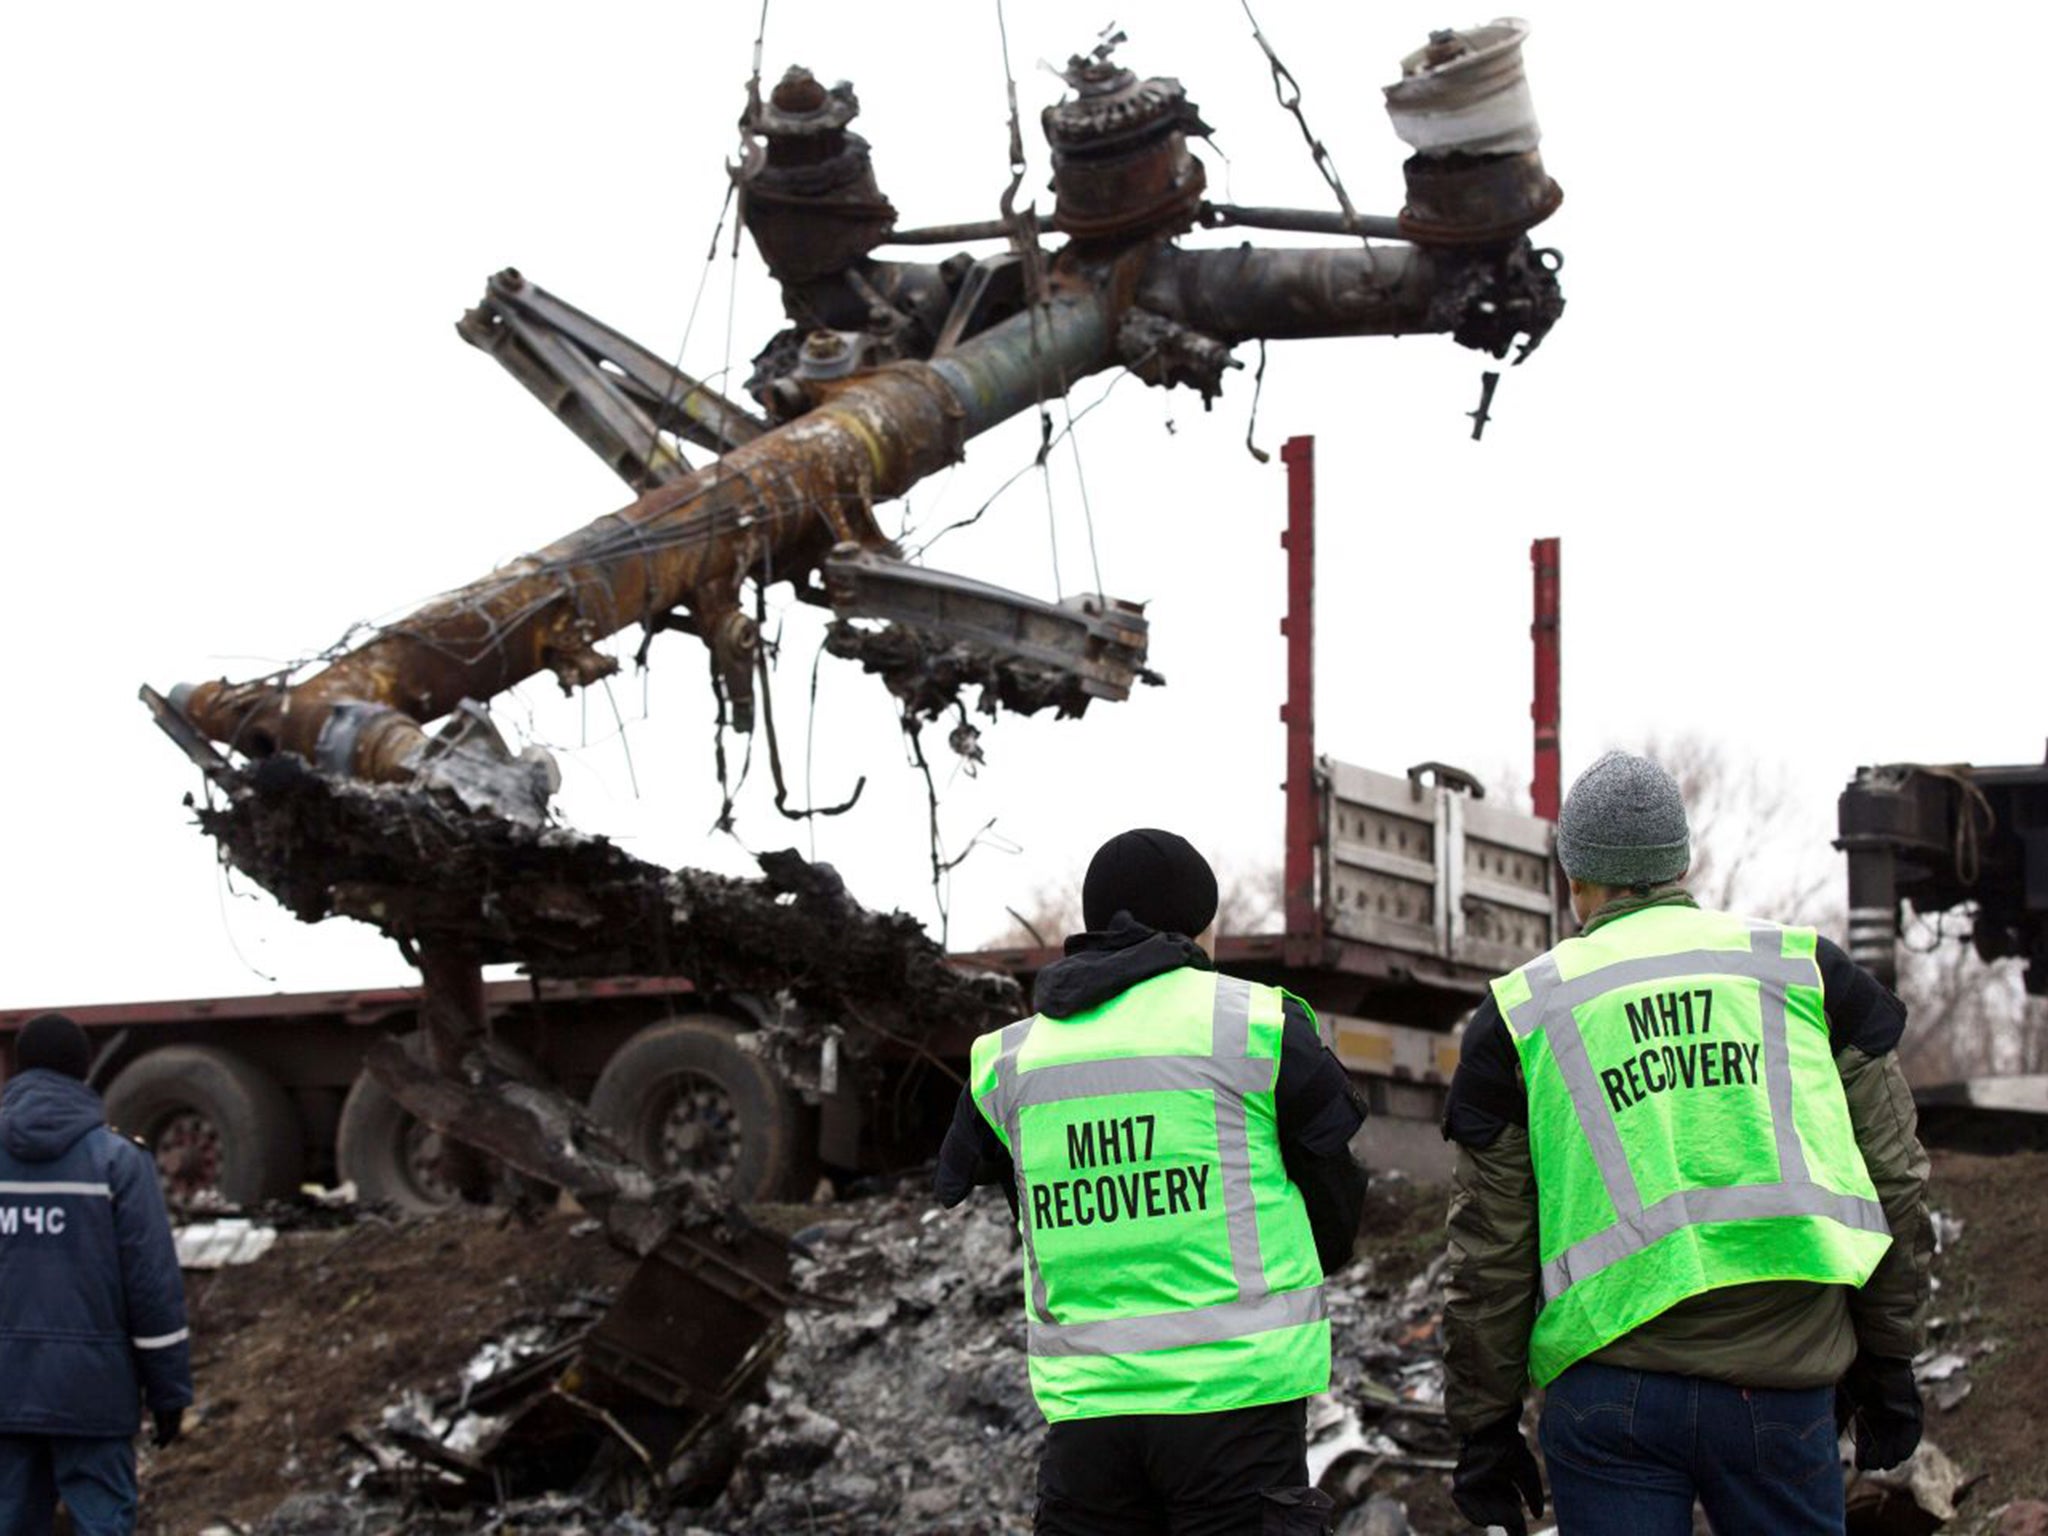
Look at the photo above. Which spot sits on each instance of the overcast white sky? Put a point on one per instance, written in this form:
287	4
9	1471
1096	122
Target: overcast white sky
1788	430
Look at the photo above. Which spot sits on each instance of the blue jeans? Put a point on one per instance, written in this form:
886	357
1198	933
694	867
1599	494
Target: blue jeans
1629	1451
94	1475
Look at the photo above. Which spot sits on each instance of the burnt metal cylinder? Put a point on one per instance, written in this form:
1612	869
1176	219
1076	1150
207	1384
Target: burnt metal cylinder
1463	105
810	200
1121	168
1874	911
1234	295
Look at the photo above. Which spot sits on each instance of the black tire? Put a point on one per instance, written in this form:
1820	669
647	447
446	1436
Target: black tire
221	1129
386	1153
685	1095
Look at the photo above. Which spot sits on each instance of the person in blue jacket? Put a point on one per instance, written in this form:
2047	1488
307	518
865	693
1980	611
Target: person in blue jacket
92	1308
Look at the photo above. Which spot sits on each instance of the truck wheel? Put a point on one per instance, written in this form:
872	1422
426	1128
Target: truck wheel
220	1128
684	1096
390	1157
394	1159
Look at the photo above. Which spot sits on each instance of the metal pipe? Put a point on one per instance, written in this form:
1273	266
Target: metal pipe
949	234
1307	221
771	509
1029	358
1238	294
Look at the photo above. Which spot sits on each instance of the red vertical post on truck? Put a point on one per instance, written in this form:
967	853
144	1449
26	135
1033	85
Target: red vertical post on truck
1303	913
1546	791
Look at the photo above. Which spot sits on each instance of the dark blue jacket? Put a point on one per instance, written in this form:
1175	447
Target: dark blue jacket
92	1308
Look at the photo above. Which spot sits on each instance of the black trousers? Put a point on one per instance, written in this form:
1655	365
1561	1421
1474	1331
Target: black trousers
1166	1474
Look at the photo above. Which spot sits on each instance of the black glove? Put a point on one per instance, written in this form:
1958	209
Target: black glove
1496	1476
170	1423
1880	1398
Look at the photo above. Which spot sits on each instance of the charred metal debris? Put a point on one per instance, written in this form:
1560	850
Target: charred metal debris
887	368
333	793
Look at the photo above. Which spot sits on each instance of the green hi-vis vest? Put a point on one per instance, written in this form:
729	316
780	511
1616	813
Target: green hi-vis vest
1169	1265
1686	1122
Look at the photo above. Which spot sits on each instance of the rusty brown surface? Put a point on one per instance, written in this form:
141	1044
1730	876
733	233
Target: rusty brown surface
1120	162
773	506
1476	199
810	198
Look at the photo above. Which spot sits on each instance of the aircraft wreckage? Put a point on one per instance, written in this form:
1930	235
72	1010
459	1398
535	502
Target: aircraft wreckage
333	792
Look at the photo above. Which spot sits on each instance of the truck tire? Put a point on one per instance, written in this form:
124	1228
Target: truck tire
220	1128
387	1154
684	1095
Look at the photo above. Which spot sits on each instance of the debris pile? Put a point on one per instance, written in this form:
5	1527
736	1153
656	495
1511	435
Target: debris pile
898	1400
424	868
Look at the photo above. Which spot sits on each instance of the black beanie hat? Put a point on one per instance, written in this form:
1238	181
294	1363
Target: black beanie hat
53	1042
1155	876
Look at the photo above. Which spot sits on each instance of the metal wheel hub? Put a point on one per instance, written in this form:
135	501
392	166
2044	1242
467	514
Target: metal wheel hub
420	1156
697	1130
187	1148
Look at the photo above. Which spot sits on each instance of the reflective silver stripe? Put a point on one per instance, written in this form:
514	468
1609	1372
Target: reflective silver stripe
1692	1207
1179	1330
1005	1097
1144	1074
1526	1017
164	1340
53	1187
1228	1073
1547	992
1596	1115
1768	943
1550	1008
1229	1040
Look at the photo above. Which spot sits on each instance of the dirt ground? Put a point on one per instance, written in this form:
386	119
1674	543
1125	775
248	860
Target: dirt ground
1994	1290
328	1328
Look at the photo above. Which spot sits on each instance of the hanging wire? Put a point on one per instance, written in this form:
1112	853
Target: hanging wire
754	83
222	890
1251	422
942	867
811	810
1009	199
668	398
1081	480
810	738
1288	91
1022	470
1052	523
619	720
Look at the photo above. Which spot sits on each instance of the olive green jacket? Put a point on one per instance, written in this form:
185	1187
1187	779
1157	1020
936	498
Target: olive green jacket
1772	1334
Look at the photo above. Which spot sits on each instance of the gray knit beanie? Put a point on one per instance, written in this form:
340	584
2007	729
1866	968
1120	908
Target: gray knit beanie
1623	824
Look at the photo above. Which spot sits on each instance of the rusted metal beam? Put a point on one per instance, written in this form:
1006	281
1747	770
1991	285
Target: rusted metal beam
888	369
620	413
771	508
1307	221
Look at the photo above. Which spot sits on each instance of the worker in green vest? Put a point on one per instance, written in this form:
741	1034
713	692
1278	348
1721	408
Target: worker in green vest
1689	1204
1175	1146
